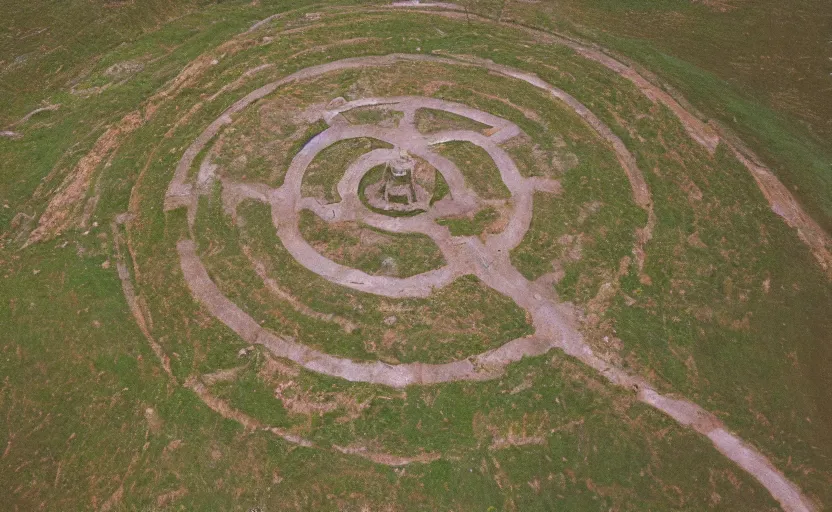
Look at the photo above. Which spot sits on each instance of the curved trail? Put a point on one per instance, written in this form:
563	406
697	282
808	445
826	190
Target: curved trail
489	261
220	406
709	136
552	321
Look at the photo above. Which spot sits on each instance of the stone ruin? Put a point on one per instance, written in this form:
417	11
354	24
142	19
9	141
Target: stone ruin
403	186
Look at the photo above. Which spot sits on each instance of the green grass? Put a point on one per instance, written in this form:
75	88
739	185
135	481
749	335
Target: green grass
440	188
127	382
373	251
762	81
447	326
432	121
802	164
480	171
470	226
78	376
373	115
261	143
326	170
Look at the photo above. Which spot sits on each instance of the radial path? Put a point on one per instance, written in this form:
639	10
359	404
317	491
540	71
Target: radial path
487	258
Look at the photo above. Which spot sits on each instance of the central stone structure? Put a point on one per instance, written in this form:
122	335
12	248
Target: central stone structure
403	187
398	186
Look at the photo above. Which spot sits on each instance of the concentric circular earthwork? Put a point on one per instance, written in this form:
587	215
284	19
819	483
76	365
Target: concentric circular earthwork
356	230
487	257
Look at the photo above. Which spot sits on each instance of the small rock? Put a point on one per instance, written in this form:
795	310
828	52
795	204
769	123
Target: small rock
154	421
337	102
173	445
388	267
245	351
390	320
106	264
36	271
215	62
10	134
121	218
122	69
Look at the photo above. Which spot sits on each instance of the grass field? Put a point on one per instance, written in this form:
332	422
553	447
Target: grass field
729	308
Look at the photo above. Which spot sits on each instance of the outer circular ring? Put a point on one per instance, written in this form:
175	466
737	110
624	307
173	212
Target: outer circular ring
551	324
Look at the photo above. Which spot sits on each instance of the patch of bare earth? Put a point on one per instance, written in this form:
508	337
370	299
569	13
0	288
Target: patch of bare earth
300	401
64	207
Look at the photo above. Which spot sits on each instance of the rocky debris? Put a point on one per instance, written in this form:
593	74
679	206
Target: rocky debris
336	103
389	267
244	352
120	70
